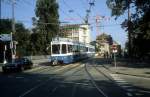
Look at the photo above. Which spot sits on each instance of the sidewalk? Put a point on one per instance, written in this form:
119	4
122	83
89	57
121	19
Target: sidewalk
133	69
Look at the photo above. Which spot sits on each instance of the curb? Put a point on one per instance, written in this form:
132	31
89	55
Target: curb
117	72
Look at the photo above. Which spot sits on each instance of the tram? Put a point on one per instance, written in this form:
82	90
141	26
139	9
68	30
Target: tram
64	50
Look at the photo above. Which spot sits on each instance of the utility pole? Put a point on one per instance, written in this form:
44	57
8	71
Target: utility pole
13	17
13	27
0	7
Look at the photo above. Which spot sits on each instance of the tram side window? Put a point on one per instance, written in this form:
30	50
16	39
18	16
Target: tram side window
56	49
86	49
64	50
70	48
75	48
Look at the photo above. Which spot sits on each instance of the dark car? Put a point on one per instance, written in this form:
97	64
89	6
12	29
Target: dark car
17	65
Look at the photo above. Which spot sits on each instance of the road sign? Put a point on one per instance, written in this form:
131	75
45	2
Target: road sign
5	37
114	51
114	47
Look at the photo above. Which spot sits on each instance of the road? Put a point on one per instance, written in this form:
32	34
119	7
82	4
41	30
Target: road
88	78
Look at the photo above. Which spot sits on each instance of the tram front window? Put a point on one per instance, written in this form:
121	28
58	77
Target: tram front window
56	49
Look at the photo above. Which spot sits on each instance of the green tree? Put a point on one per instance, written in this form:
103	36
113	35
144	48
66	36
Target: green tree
22	35
5	26
103	38
137	24
47	21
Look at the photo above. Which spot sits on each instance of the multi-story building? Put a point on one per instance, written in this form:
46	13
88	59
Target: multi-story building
103	45
78	32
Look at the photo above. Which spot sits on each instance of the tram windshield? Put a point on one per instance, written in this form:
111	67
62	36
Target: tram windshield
55	49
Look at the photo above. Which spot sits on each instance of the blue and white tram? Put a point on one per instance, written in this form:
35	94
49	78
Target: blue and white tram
64	50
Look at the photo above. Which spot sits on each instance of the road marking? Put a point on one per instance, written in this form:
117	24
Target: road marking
34	69
67	66
121	81
129	94
126	86
19	77
130	90
73	90
37	86
84	84
10	76
54	89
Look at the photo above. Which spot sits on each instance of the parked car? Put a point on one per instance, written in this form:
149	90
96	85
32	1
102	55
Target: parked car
17	64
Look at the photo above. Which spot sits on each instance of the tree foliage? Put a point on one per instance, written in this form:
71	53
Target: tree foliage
5	26
105	38
47	22
139	24
22	35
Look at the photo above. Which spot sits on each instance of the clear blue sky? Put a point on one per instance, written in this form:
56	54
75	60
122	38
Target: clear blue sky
24	11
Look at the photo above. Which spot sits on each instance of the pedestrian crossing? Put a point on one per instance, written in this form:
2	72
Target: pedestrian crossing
123	84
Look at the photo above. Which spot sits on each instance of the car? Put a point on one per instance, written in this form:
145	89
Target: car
18	64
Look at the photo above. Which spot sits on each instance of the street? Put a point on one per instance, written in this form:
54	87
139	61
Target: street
88	78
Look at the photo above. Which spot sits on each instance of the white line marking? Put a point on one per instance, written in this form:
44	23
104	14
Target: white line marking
34	69
35	87
124	84
121	81
130	90
19	77
127	86
54	89
129	94
73	91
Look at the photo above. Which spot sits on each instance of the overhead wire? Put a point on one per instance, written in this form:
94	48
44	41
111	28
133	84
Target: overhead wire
72	9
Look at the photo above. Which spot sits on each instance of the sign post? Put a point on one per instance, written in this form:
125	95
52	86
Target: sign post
115	59
114	47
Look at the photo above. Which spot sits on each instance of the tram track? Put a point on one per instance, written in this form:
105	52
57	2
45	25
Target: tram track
94	82
108	74
59	71
93	71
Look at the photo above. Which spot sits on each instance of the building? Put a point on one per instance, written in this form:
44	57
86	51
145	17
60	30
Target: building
103	44
78	32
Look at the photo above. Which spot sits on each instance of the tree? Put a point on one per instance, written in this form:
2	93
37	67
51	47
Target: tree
22	35
103	38
5	26
47	21
137	24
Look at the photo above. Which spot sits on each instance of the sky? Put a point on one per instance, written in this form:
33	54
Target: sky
73	12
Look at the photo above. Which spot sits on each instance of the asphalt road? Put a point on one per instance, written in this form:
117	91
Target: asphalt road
82	79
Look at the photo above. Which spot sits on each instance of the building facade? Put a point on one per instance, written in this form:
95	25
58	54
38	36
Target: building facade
78	32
